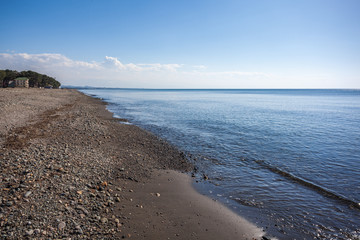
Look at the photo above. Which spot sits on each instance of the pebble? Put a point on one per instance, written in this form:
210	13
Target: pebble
78	230
104	220
157	194
86	212
29	232
61	225
27	194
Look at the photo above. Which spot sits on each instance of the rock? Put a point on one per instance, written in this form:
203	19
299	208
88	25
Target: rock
29	232
27	194
86	212
157	194
104	220
61	225
37	231
78	230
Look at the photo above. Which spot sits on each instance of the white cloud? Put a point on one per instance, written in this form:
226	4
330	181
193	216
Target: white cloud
111	72
22	61
114	62
200	67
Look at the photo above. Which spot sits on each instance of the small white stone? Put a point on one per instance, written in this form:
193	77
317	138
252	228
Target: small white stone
27	194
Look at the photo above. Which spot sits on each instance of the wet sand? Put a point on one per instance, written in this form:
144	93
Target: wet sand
70	170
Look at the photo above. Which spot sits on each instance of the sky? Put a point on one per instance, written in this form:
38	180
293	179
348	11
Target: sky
185	44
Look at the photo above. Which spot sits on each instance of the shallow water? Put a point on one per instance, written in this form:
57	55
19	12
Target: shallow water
288	160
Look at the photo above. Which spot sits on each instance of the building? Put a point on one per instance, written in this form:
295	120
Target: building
22	82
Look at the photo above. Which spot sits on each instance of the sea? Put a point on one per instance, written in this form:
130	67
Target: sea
286	160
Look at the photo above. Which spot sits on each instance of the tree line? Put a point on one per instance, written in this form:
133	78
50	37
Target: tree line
35	79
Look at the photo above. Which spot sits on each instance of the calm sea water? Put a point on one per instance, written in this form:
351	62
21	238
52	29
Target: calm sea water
288	160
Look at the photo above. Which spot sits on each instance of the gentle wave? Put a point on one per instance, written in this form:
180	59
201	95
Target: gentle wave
309	184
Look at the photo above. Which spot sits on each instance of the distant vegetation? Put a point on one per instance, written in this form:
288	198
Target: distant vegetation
35	79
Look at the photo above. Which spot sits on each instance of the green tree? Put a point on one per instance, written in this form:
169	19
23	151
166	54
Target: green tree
2	77
35	79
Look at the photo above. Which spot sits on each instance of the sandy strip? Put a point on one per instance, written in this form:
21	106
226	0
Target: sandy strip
167	207
70	170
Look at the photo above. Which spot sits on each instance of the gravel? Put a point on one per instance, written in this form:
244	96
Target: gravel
64	163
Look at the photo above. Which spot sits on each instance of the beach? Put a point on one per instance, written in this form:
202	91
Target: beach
70	170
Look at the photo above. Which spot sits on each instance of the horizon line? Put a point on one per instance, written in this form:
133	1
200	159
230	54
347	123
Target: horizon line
124	88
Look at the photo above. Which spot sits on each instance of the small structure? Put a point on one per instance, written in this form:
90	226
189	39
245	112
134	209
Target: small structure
22	82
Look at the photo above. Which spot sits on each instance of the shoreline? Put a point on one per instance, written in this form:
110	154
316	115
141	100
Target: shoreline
97	178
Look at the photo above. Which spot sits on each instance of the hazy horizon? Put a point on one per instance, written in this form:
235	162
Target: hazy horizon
125	88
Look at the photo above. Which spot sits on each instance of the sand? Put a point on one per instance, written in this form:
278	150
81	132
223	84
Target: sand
70	170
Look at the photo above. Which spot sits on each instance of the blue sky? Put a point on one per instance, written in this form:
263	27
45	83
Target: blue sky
185	44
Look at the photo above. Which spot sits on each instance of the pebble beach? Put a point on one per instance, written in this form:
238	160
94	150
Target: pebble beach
69	170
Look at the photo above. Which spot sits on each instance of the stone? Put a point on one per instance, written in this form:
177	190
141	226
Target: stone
29	232
27	194
104	220
78	230
61	225
86	212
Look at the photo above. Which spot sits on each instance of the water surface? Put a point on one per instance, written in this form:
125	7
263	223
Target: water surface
288	160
